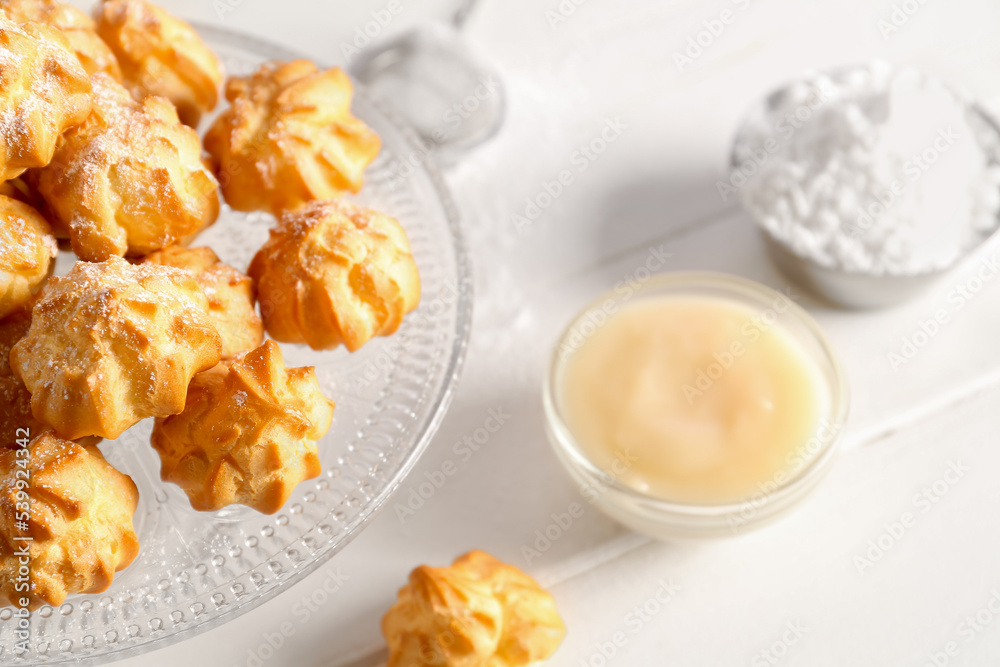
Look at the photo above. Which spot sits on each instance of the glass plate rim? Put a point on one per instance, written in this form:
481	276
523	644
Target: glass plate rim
463	328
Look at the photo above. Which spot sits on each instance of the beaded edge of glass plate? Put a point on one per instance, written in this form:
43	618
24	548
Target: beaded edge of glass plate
117	624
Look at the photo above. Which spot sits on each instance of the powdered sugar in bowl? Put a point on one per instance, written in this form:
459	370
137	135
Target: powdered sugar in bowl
868	182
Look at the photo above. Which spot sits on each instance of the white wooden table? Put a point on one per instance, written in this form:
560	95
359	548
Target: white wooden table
895	560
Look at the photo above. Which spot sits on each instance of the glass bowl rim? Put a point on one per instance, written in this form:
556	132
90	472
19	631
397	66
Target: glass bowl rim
567	446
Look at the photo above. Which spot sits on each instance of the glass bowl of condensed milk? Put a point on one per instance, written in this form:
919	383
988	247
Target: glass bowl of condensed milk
700	405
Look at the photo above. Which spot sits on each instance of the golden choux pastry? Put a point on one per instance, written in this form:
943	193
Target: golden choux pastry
289	138
334	273
44	91
161	55
113	343
129	180
479	612
74	24
22	190
231	296
15	400
79	519
27	253
248	434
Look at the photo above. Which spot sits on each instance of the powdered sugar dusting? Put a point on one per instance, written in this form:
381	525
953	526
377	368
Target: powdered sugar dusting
890	172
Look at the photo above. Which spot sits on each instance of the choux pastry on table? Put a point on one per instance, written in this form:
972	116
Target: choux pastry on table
477	612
